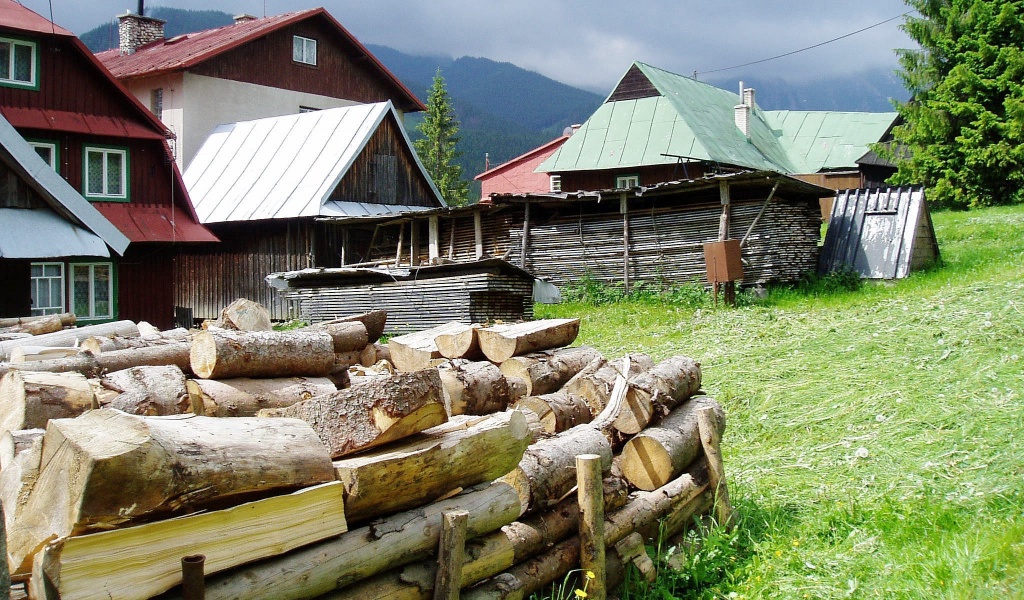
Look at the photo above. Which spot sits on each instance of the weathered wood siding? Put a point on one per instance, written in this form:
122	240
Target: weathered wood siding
649	176
145	284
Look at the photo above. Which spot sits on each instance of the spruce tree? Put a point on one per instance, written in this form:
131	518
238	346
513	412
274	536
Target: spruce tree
962	131
438	148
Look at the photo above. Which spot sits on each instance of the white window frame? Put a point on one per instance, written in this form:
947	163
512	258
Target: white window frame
52	309
625	182
304	50
104	193
52	147
555	183
91	314
11	63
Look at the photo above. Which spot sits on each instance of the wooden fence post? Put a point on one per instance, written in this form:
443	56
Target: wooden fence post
591	500
450	555
711	440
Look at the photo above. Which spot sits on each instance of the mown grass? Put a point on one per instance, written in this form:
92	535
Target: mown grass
874	446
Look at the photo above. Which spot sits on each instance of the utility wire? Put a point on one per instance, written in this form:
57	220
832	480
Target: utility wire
818	45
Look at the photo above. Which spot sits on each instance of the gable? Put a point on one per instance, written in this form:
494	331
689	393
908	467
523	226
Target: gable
633	85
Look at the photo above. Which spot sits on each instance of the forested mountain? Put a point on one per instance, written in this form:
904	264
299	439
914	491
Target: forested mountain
179	21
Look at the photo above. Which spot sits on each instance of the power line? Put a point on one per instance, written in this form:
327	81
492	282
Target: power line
818	45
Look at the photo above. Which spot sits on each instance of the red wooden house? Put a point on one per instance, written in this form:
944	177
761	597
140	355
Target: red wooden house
112	150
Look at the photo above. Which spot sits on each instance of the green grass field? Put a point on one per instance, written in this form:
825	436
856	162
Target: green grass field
874	444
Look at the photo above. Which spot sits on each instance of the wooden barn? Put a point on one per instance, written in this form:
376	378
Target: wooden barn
266	188
107	146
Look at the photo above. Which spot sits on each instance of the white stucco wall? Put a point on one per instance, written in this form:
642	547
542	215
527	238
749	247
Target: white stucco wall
173	113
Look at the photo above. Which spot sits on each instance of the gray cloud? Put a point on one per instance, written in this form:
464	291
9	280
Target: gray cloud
591	43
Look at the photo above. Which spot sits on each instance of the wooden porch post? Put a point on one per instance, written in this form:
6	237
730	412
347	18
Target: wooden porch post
414	243
624	209
723	234
478	234
433	239
526	234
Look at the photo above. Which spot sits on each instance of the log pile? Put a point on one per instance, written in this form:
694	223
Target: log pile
293	486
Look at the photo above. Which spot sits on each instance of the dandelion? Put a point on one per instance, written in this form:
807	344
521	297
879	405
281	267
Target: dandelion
861	452
589	575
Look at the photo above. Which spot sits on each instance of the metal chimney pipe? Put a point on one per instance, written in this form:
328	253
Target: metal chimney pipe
142	8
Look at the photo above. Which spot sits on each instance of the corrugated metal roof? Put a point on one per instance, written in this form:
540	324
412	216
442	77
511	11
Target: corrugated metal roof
62	120
187	50
696	120
284	167
58	193
40	233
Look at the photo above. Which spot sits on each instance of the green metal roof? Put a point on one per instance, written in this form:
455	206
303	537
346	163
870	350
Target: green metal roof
685	117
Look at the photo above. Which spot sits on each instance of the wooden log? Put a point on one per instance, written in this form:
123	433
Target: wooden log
591	533
516	389
501	342
711	424
93	366
473	388
245	315
595	382
47	324
557	411
348	337
666	385
23	354
106	564
462	453
415	351
154	390
374	321
29	399
106	468
460	343
546	372
548	468
660	453
450	555
374	413
66	320
244	397
19	474
71	337
361	553
14	443
225	354
100	344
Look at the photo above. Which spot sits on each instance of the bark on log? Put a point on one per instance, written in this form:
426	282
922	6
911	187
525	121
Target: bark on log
662	452
667	385
106	468
66	320
93	366
23	354
374	413
154	390
100	344
450	555
47	324
473	388
595	382
71	337
348	337
374	321
557	411
243	397
29	399
464	452
591	531
226	354
245	315
415	351
461	343
88	566
548	468
501	342
546	372
363	552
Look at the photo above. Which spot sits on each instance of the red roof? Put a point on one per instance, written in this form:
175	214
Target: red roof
60	120
16	16
188	50
154	223
550	147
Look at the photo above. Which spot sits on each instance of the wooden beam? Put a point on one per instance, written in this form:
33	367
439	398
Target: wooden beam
398	252
414	244
624	209
526	235
723	222
592	542
478	234
433	238
760	214
450	555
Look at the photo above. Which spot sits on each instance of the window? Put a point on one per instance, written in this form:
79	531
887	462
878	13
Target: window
92	290
156	102
627	181
304	50
46	151
106	173
307	109
556	184
47	288
17	63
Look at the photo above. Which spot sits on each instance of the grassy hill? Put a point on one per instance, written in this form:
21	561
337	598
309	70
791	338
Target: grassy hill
875	438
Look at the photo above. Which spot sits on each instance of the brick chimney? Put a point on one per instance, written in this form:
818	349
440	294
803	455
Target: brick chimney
743	110
243	18
137	30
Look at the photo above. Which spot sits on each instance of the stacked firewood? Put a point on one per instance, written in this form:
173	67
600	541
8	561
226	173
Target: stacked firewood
304	463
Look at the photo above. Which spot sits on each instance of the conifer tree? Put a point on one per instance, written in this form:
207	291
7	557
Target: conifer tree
438	148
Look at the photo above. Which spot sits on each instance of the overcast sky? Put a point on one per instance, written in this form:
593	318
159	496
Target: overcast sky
589	43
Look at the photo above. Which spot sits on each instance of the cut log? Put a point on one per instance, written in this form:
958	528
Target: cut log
29	399
47	324
106	565
363	552
23	354
71	337
415	351
92	366
501	342
100	344
373	413
548	468
660	453
374	321
106	468
14	443
348	337
243	397
19	474
66	320
460	343
546	372
245	315
154	390
225	354
459	454
557	411
666	385
473	388
595	382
